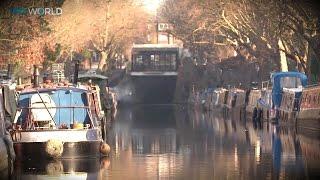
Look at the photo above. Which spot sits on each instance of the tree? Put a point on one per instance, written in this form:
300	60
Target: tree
110	26
253	28
23	36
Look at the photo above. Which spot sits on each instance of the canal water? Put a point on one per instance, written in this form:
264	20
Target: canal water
172	142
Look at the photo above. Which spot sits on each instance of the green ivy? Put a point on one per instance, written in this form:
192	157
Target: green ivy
314	70
86	54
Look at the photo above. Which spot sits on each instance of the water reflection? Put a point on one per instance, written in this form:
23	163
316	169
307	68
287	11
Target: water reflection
172	142
145	143
61	169
181	144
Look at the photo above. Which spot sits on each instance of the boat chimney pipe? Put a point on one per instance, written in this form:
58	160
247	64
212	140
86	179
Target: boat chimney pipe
36	76
9	71
76	72
19	81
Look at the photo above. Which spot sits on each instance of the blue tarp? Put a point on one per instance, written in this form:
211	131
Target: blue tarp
65	98
277	87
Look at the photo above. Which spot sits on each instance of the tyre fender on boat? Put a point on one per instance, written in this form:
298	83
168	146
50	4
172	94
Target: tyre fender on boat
104	149
54	148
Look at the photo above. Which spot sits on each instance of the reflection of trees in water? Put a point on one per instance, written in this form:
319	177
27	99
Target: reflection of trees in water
253	144
154	141
210	145
145	143
154	130
145	130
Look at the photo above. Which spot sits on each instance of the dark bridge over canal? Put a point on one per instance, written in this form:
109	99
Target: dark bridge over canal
154	72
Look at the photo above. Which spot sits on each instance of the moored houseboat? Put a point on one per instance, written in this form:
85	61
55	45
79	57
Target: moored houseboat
252	102
101	82
235	103
265	102
309	113
286	87
7	154
289	104
215	99
58	121
235	98
221	95
209	98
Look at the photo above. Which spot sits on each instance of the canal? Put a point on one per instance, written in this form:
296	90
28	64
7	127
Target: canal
172	142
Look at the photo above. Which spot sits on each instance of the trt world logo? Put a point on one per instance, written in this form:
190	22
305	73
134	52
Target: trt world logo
40	11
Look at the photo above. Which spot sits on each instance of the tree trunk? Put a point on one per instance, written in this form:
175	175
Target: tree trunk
103	60
104	54
283	58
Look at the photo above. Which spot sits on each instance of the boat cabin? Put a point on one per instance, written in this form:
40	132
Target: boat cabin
57	108
310	103
286	80
252	100
236	98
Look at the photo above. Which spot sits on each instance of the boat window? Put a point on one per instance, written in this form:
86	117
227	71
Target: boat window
290	82
156	60
173	61
162	60
139	59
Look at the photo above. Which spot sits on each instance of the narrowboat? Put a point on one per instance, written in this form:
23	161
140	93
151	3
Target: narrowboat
289	104
220	95
9	101
282	100
58	121
235	98
252	98
208	105
196	99
107	94
7	155
193	98
6	75
215	99
265	101
309	113
100	82
235	103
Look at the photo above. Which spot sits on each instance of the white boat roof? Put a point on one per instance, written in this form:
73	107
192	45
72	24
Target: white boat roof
299	89
92	76
155	46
